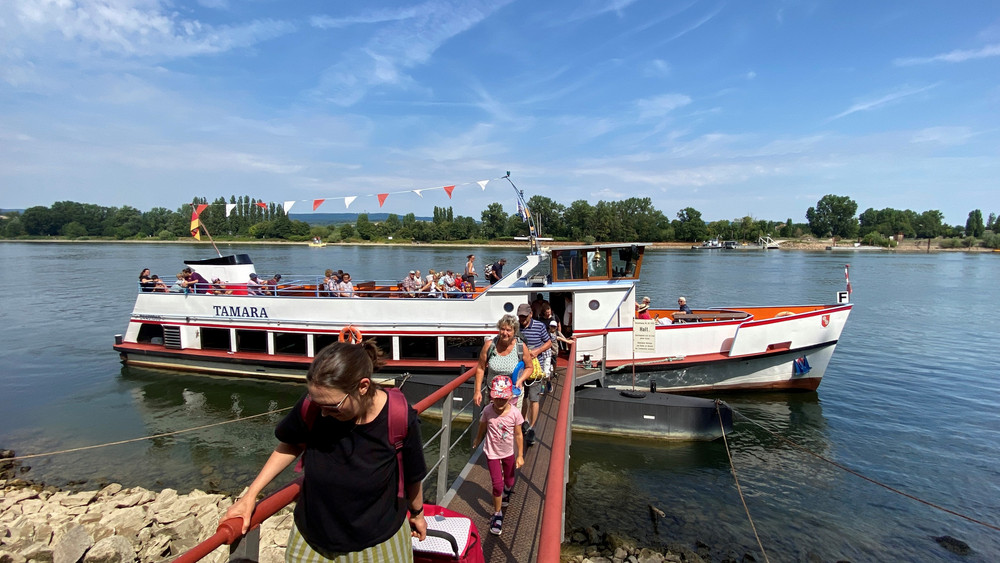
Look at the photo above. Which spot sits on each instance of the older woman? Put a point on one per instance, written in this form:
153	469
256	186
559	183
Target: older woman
349	509
501	356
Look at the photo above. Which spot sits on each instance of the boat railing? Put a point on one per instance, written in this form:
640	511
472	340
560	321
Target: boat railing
245	547
313	288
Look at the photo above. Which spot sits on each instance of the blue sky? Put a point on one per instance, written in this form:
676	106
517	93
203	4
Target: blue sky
733	108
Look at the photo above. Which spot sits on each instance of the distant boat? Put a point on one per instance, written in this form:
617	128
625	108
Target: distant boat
317	243
711	244
856	247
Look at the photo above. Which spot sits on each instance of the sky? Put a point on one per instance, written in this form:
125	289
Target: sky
733	108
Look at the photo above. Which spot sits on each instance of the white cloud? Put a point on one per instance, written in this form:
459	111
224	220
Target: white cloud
657	68
868	105
958	56
661	105
948	136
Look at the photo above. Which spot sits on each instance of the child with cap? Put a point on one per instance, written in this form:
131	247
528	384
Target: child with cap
500	424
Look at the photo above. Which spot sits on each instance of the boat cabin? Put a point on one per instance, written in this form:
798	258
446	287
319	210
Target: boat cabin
596	262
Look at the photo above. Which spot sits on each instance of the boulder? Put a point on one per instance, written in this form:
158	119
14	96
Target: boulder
74	543
39	552
111	490
112	549
954	545
125	522
11	557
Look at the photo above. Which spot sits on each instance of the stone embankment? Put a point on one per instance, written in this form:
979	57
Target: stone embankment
117	524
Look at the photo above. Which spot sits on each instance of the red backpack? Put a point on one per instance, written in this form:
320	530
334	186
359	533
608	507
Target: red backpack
398	427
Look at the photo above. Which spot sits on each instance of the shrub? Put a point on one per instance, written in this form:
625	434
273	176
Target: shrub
950	243
166	235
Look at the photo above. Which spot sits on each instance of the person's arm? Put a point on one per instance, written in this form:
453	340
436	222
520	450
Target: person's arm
529	366
415	504
477	394
545	345
480	434
519	441
283	455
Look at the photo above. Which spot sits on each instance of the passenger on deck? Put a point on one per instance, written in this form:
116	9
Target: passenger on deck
348	509
271	285
409	284
146	283
196	281
642	310
330	281
427	285
500	356
253	286
346	287
181	285
537	305
158	285
219	289
497	272
682	305
450	286
470	271
561	341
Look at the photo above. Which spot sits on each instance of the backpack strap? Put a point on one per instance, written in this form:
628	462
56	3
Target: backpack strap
308	412
398	427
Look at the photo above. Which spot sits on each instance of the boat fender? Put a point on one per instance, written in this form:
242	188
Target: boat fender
350	334
632	394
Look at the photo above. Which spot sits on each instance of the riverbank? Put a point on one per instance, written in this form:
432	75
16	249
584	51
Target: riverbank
120	525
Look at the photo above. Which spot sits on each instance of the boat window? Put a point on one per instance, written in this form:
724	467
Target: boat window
384	343
597	263
418	347
321	341
508	307
624	262
290	343
463	347
147	332
251	341
569	264
214	338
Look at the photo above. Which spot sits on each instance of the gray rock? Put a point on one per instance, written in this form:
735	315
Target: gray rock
954	545
112	549
38	552
74	543
11	557
155	549
125	522
110	490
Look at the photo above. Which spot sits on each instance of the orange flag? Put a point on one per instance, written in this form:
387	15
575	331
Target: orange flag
448	190
381	199
195	225
261	205
317	203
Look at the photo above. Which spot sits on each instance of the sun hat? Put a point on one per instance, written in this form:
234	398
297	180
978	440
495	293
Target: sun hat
501	388
645	300
553	323
524	310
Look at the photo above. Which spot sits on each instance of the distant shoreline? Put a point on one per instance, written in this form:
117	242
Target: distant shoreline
909	246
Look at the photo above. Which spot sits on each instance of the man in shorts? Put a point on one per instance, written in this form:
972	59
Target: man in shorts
536	337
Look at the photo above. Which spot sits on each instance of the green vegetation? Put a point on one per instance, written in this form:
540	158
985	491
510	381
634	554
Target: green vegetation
632	219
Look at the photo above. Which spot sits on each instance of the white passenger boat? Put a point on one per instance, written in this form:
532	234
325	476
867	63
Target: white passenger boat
276	336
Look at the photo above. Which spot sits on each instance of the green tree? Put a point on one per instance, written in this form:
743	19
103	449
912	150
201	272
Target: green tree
974	224
929	224
494	222
833	216
577	219
39	221
73	230
364	227
548	216
689	225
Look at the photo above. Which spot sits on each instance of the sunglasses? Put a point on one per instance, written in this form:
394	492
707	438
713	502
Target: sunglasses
334	408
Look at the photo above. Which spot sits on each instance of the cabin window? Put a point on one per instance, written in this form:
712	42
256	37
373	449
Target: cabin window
290	343
321	341
463	347
147	332
384	343
624	262
569	265
597	263
418	347
251	341
508	307
215	339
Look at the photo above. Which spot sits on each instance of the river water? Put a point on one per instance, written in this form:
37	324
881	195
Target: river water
911	399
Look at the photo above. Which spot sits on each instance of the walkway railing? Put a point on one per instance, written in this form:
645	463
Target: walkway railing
553	531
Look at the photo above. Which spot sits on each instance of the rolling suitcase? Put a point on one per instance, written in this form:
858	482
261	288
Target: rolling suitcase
450	537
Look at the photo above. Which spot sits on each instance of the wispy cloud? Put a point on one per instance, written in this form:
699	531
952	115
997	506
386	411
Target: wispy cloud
948	136
958	56
868	105
661	105
592	9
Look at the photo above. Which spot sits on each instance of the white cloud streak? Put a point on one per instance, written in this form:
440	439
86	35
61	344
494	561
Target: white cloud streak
958	56
885	100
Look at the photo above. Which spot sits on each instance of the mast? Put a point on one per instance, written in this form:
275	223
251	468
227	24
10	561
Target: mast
526	215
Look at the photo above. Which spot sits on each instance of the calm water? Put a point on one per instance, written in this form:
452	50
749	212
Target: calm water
911	398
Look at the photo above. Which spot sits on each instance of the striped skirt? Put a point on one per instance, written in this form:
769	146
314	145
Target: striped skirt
396	548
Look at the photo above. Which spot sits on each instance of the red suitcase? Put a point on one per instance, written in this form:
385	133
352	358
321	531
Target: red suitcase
450	537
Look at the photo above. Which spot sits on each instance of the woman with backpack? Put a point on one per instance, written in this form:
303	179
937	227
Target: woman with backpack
501	357
361	497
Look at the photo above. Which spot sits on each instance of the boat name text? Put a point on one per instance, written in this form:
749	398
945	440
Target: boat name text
249	312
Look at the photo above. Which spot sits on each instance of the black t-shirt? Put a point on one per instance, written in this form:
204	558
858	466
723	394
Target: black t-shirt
349	499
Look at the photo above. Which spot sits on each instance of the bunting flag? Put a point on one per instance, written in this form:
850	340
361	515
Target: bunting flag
317	203
229	208
448	190
381	199
288	206
482	184
261	205
349	200
522	212
418	193
201	208
195	225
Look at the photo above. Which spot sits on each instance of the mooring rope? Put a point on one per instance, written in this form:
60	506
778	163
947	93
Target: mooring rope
869	479
736	478
95	446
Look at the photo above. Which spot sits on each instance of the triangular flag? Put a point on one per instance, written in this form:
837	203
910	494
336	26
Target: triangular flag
202	207
381	199
482	184
317	203
261	205
448	190
418	192
349	200
229	208
288	206
195	224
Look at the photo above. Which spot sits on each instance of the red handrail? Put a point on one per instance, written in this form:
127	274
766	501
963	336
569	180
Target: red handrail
232	529
550	541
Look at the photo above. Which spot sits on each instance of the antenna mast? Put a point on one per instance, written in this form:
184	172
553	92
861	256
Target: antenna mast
526	215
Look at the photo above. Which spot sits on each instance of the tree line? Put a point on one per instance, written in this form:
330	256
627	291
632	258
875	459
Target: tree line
632	219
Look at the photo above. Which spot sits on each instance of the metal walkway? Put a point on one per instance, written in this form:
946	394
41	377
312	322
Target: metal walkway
522	520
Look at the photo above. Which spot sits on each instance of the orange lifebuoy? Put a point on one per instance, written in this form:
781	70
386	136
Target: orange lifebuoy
350	335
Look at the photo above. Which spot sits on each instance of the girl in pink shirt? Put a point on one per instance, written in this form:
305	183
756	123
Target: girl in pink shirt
500	424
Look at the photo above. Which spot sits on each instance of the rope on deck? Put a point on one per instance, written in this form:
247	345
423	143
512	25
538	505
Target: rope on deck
119	442
736	478
869	479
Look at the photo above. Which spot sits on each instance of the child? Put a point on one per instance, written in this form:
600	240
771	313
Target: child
500	424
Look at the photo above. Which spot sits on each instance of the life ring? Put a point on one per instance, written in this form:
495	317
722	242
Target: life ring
785	314
350	335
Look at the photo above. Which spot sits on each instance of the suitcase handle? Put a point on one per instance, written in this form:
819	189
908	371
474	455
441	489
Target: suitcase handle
447	537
